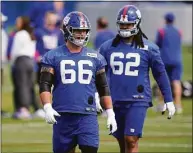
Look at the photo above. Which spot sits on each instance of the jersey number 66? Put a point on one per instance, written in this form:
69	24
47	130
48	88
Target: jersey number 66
72	73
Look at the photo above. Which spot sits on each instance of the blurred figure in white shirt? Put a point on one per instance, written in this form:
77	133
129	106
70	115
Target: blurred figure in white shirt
23	75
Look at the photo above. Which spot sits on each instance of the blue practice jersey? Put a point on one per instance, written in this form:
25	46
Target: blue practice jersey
169	41
128	70
101	37
48	40
74	85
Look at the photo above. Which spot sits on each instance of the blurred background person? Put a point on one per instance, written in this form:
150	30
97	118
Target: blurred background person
38	112
103	33
39	9
22	60
169	39
60	11
4	43
48	37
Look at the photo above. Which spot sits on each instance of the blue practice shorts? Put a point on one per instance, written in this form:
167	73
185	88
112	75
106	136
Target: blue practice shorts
75	129
130	121
174	71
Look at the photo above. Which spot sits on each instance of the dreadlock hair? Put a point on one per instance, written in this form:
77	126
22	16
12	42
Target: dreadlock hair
137	39
116	40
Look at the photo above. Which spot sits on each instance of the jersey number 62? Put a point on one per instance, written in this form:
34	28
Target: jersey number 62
118	67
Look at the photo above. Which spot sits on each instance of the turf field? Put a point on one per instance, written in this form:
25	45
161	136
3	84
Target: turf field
160	134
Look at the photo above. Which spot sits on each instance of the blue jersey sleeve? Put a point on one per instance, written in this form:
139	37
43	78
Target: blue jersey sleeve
101	62
102	50
48	59
159	37
159	74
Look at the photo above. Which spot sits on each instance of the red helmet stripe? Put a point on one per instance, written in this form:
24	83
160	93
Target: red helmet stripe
82	20
125	10
81	16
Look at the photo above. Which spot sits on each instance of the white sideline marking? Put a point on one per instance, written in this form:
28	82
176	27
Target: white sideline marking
107	143
14	127
105	132
165	145
163	117
149	122
157	134
10	129
164	125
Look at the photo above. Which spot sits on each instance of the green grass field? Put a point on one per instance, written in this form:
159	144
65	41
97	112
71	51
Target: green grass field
160	134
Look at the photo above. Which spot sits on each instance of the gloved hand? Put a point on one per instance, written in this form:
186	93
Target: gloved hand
111	122
171	109
98	105
50	113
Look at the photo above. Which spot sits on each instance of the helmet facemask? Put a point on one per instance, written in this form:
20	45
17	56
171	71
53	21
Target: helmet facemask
78	38
125	33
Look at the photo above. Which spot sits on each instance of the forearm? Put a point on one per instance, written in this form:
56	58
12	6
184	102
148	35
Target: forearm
103	90
45	97
46	81
164	85
160	75
106	102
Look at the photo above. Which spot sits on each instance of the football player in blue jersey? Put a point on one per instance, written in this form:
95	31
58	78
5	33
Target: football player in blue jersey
76	72
129	58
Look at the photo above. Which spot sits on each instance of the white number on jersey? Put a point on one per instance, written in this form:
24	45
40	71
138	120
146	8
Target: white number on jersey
118	66
81	71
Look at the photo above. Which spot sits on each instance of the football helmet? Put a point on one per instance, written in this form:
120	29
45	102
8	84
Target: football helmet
127	15
75	21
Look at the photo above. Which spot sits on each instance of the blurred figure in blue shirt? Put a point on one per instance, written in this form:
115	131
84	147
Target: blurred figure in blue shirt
39	9
49	37
169	40
103	33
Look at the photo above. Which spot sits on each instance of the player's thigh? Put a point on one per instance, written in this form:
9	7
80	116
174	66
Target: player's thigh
120	119
64	136
88	131
176	72
135	120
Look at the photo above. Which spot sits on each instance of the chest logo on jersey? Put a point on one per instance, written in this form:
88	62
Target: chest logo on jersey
92	55
144	48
